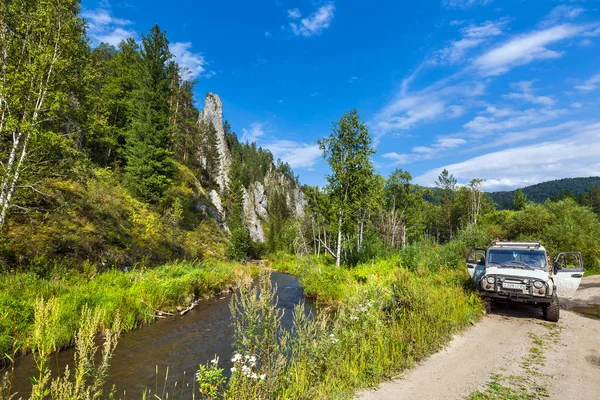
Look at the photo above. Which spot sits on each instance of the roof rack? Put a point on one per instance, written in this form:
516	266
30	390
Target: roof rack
498	243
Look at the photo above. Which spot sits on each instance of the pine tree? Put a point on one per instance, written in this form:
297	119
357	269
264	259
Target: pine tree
149	161
519	200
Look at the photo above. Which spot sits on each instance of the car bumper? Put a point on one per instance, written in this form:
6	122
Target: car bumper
516	297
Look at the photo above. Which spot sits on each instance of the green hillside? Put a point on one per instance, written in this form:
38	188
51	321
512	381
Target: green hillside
541	192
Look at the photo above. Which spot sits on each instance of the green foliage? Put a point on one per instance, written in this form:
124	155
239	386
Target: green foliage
133	295
560	226
541	192
348	151
519	200
210	379
241	246
149	161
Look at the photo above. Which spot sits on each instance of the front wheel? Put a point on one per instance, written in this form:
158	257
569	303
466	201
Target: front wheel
552	310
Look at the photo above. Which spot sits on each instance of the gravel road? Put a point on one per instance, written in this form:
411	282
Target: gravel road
504	347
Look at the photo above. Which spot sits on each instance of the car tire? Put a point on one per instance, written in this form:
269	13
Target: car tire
489	306
552	310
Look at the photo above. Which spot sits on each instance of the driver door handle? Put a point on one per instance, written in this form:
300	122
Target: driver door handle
576	276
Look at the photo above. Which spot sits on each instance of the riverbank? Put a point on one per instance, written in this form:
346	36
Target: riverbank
138	295
384	317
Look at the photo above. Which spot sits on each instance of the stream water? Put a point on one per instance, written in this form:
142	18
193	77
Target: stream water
179	343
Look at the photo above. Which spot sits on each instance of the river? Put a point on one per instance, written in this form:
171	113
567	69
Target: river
179	343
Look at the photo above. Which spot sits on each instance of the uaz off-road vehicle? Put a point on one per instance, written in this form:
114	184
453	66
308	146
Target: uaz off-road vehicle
521	272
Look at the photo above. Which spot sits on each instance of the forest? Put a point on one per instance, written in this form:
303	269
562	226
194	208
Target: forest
106	170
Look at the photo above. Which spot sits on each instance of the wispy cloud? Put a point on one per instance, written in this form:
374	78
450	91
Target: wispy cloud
525	49
465	3
590	84
471	37
193	64
104	28
571	157
410	109
294	14
561	13
252	135
420	153
313	24
526	93
297	154
495	120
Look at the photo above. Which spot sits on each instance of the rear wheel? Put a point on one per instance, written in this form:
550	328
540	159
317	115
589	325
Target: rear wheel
552	310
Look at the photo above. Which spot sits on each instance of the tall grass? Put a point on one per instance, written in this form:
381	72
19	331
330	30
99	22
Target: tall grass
380	318
135	295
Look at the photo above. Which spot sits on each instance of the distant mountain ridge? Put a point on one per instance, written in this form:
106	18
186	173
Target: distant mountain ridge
541	192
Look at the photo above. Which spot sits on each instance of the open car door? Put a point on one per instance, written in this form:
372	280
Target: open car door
476	260
568	271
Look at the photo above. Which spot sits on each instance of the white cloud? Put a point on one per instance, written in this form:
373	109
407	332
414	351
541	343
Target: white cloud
590	84
297	154
252	135
268	34
294	14
524	49
576	104
465	3
495	120
408	110
192	64
506	169
315	23
420	153
561	13
353	79
104	28
472	36
526	93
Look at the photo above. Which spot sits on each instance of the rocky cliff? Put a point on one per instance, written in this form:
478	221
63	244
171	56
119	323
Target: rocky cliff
256	197
213	113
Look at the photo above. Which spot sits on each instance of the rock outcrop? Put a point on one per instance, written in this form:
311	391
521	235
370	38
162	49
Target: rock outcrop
260	200
250	219
213	113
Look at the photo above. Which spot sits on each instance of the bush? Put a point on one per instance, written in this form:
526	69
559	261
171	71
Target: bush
241	246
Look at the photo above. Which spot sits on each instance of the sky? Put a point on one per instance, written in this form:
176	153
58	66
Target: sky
507	91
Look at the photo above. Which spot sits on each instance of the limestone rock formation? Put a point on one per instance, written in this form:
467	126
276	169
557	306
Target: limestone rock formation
216	200
260	200
251	220
213	113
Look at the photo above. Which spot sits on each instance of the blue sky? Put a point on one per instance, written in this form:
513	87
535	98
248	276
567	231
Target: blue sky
507	91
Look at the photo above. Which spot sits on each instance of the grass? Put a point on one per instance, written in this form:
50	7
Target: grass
384	317
528	385
135	295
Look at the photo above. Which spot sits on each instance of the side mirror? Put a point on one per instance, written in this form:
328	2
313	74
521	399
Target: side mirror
481	261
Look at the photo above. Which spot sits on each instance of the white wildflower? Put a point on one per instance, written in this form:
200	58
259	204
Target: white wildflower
236	357
246	370
353	318
254	376
247	357
214	361
263	376
233	369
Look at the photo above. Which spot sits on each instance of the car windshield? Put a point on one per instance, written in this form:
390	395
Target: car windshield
524	259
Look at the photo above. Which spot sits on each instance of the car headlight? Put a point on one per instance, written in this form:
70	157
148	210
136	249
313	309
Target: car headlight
490	279
538	284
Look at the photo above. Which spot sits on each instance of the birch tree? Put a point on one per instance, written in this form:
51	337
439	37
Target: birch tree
348	151
40	43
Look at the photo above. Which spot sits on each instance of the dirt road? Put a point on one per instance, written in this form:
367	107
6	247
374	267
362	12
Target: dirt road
513	351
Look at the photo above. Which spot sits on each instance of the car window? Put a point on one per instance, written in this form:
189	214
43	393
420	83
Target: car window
533	259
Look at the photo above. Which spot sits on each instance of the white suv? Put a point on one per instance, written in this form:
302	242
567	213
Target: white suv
520	272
